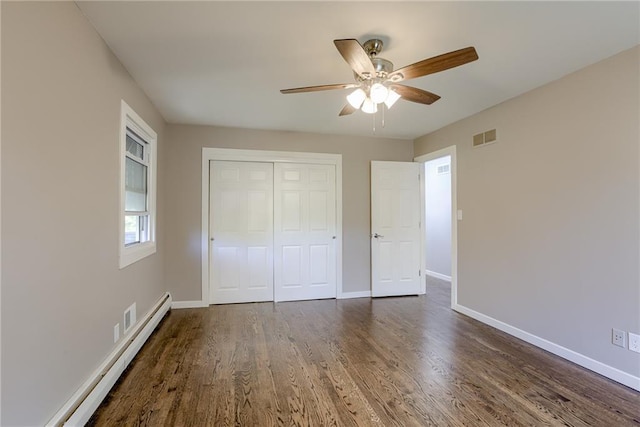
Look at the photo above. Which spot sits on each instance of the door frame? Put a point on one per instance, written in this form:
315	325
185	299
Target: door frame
238	155
448	151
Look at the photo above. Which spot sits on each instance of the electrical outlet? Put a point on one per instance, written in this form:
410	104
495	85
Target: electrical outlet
617	338
634	342
116	332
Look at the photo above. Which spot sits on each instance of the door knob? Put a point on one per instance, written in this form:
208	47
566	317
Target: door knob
378	236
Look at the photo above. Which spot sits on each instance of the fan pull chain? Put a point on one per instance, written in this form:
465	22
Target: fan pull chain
383	115
374	121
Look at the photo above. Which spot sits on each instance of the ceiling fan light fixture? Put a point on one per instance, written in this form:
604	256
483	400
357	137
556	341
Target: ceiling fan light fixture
369	106
378	93
356	98
377	82
391	98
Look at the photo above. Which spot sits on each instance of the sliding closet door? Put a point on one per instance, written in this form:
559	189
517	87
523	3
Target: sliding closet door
305	231
241	232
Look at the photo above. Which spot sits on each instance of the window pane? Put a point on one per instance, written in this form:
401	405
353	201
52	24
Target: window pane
135	202
131	229
135	186
135	148
136	229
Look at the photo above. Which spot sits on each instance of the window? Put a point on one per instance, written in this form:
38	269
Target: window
137	188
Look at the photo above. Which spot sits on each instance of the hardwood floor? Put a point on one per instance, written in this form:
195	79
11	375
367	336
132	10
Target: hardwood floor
407	361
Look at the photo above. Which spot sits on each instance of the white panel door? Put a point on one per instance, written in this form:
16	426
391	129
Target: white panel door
395	228
305	231
241	232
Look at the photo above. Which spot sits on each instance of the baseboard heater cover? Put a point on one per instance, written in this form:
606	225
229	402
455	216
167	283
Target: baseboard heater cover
79	408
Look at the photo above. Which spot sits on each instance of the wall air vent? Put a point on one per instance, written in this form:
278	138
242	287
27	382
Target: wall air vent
443	169
485	138
129	317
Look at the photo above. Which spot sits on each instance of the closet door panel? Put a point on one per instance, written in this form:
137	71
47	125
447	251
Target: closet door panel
305	231
241	232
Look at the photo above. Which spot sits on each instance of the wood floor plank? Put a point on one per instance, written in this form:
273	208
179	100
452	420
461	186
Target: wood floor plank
408	361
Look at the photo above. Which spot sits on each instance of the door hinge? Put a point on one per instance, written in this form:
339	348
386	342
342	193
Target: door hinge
419	273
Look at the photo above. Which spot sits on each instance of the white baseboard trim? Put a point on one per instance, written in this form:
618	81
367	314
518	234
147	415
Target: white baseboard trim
437	275
188	304
577	358
177	305
79	408
359	294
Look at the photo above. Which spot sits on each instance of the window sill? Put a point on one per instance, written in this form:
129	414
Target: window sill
131	254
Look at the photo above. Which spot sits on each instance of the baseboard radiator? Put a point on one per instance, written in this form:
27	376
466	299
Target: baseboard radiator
79	408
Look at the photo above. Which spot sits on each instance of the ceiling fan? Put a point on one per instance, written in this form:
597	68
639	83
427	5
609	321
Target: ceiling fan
377	82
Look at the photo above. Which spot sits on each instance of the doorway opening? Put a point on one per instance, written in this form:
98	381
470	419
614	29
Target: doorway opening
439	217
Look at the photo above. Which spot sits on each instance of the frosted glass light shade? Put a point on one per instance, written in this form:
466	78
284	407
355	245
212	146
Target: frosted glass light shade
356	98
369	106
378	93
391	98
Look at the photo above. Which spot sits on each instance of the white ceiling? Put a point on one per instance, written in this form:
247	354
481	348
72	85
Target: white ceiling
223	63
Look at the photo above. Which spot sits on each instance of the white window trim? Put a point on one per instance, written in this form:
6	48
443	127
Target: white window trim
129	119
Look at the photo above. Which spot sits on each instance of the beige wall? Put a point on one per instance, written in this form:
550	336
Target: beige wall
184	213
550	228
550	238
62	291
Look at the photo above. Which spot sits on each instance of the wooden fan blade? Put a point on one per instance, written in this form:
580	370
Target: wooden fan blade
348	109
318	88
414	94
435	64
355	55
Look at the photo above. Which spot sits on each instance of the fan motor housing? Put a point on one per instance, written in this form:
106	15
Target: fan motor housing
382	66
373	47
